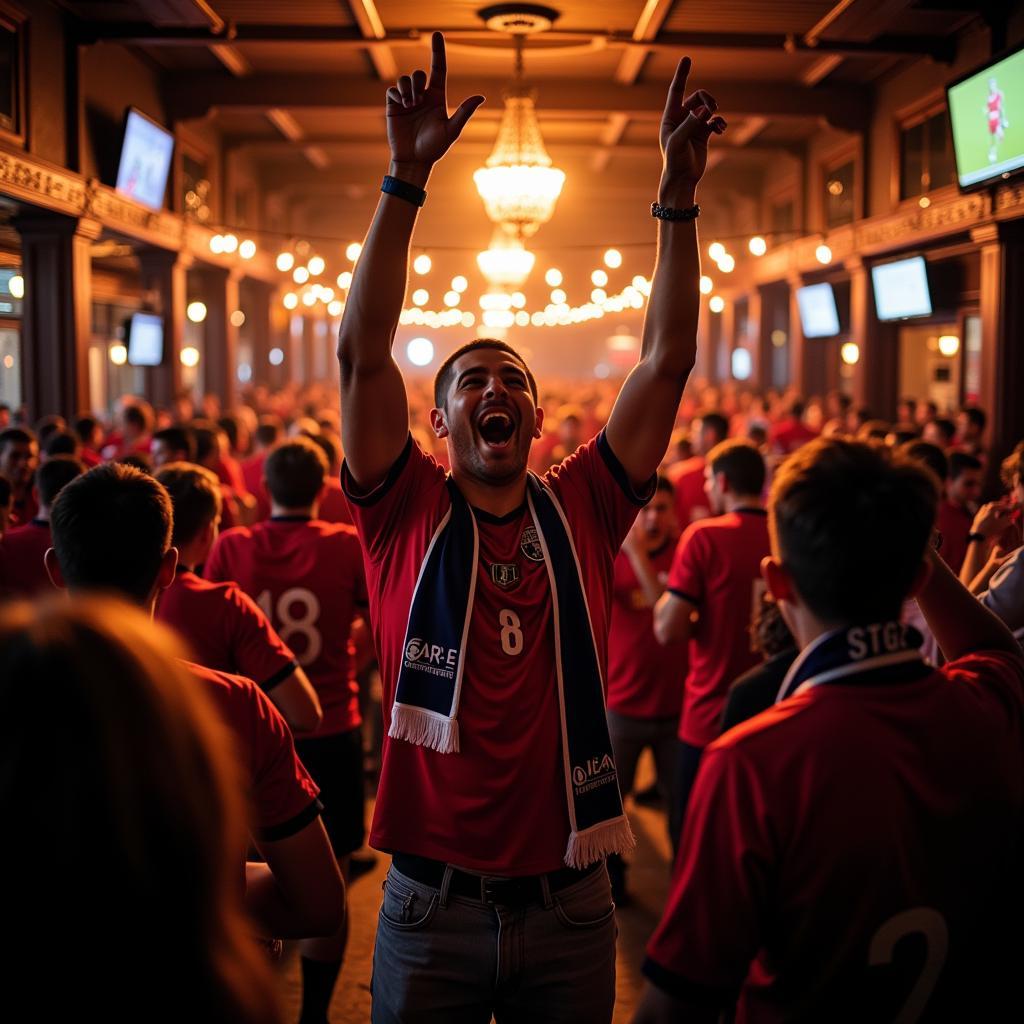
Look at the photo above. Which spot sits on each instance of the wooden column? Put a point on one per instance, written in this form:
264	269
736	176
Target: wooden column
220	293
256	299
1002	328
797	344
757	335
164	280
876	375
57	312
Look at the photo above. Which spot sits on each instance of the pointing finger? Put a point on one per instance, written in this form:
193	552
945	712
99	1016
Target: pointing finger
676	91
438	62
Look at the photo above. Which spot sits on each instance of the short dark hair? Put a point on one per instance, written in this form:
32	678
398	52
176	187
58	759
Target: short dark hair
961	462
62	442
946	427
15	435
195	495
443	378
716	423
111	527
976	415
329	444
48	426
55	474
137	460
851	523
85	427
178	439
268	430
139	414
664	484
740	463
928	454
295	472
204	432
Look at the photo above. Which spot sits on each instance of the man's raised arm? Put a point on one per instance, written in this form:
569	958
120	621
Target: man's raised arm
644	414
374	410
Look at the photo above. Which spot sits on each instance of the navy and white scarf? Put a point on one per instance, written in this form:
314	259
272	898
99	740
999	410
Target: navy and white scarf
430	679
879	652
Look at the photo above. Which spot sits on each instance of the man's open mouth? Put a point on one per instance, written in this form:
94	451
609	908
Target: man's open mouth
497	428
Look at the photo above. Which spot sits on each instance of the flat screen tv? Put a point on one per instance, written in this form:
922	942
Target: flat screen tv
819	317
145	160
986	112
901	289
145	339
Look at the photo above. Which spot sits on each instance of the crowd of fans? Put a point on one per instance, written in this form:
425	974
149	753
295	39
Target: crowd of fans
229	528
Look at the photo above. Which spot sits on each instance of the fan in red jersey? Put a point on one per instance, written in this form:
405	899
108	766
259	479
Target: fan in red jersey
645	679
715	575
224	627
490	594
112	532
853	853
19	456
687	477
22	570
307	575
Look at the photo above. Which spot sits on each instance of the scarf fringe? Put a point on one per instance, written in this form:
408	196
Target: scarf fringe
424	729
597	842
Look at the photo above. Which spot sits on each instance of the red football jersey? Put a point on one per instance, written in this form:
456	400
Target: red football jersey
852	854
252	474
283	797
499	805
333	506
307	577
645	679
789	434
688	480
954	523
717	567
22	572
225	629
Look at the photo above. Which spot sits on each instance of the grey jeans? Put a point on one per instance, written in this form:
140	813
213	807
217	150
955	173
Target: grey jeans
442	959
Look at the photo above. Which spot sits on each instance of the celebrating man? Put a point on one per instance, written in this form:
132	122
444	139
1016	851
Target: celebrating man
490	602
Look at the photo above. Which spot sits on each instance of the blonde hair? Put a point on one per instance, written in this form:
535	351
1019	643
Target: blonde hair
125	810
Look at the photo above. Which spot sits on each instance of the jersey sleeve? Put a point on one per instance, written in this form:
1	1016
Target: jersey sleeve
710	930
686	577
284	797
592	484
413	485
996	675
257	650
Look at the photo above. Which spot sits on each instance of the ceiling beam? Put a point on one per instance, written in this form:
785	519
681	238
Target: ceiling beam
194	95
371	27
821	69
940	48
611	137
647	27
294	136
855	20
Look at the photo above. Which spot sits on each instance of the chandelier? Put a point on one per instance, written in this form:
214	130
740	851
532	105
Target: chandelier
519	185
507	263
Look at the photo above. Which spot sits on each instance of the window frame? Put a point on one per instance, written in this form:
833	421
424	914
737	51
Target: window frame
905	119
16	21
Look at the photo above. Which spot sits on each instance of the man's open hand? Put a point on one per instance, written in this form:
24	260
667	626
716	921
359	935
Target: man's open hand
686	126
419	128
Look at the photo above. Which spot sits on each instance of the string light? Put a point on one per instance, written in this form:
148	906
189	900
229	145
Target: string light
558	296
217	244
237	318
284	262
309	298
716	251
452	298
290	300
613	259
706	285
300	275
352	251
823	254
757	246
345	279
336	308
16	286
850	353
459	284
421	296
727	264
420	351
247	249
553	277
196	312
949	345
316	265
118	354
599	278
422	264
716	304
189	356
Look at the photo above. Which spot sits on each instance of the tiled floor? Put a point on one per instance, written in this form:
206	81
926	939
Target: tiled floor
648	882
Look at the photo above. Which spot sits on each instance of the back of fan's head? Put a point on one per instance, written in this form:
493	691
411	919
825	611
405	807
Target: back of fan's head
295	472
111	528
140	793
54	475
850	526
195	495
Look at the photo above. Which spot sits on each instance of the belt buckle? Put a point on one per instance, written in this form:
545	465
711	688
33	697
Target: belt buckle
491	890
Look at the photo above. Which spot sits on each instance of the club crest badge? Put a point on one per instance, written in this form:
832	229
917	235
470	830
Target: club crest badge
529	544
505	574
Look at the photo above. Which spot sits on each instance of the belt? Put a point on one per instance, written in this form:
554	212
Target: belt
503	892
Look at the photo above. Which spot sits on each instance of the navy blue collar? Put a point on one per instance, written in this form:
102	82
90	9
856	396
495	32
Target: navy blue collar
880	652
290	519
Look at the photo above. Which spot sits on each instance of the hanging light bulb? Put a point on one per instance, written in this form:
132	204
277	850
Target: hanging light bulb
285	261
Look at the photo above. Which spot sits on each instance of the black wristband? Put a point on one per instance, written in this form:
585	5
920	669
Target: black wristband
403	190
979	538
669	213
